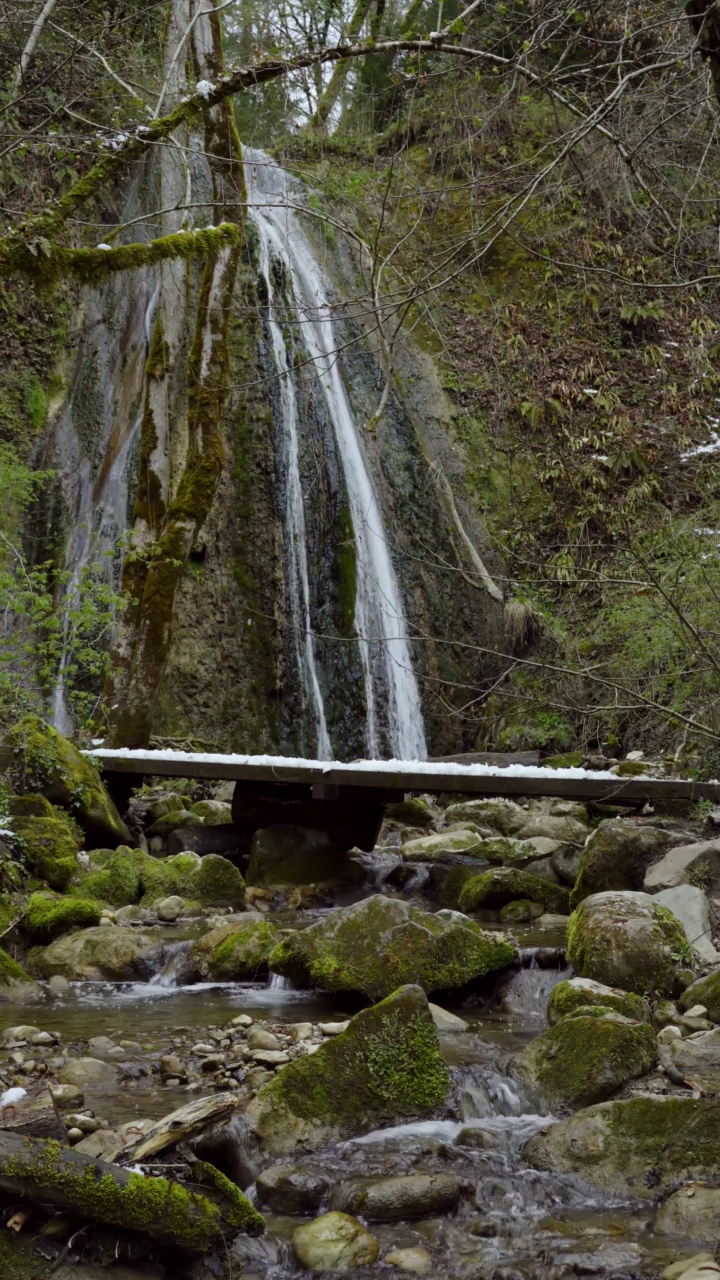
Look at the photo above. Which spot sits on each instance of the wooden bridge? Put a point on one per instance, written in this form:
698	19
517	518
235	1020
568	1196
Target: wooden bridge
348	800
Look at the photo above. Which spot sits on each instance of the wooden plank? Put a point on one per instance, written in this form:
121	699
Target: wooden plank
550	783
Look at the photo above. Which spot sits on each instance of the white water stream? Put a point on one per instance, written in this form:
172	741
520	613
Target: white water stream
391	692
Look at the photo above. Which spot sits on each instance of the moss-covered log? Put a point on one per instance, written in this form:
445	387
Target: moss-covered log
48	1173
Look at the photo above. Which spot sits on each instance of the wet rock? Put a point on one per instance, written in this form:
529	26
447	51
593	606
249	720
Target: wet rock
89	1073
334	1242
692	1213
259	1038
171	1067
288	1188
39	758
504	816
380	943
446	1022
289	855
93	954
104	1047
58	986
415	1195
690	906
416	1261
66	1096
617	855
705	991
550	920
638	1147
503	884
232	952
300	1031
386	1067
679	864
583	1060
573	993
170	909
626	940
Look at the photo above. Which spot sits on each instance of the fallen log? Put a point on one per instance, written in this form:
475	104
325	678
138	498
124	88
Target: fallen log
35	1116
47	1173
186	1122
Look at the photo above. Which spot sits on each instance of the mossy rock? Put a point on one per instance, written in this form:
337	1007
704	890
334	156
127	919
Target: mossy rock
576	993
566	760
50	841
177	820
217	883
118	880
451	885
48	915
113	953
445	845
504	816
504	851
520	911
413	811
705	991
626	940
617	856
164	805
290	855
583	1060
634	769
235	952
11	973
167	877
384	1069
379	943
38	758
635	1148
492	889
213	813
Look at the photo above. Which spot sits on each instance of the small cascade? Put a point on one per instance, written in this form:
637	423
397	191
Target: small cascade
278	984
100	509
394	720
526	994
173	964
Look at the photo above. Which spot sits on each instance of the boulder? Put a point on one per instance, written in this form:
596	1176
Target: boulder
503	816
576	993
701	1266
334	1242
705	991
170	909
617	855
413	811
504	884
413	1195
233	952
38	758
385	1068
692	1213
448	844
447	1023
176	820
567	828
217	883
416	1260
634	1147
506	851
213	813
91	1073
48	916
685	864
690	906
378	944
115	954
290	855
50	840
289	1188
582	1060
566	860
626	940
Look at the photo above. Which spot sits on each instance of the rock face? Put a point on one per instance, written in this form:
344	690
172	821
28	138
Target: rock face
705	991
50	841
288	855
504	884
385	1068
678	865
626	940
638	1147
577	993
415	1195
690	906
38	758
583	1060
233	952
335	1242
380	943
93	954
616	857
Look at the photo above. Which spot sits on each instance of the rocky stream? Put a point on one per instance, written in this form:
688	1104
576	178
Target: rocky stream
488	1048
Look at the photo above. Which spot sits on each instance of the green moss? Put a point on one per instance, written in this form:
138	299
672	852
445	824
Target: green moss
631	769
18	1259
49	843
386	1067
47	916
38	758
602	945
583	1060
495	888
568	760
237	1209
518	911
119	879
567	997
234	951
218	883
165	877
10	970
174	821
380	943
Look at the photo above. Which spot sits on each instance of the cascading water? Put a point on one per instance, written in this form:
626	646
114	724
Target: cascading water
392	700
99	503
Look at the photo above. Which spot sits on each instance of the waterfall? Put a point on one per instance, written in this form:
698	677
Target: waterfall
391	692
99	503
